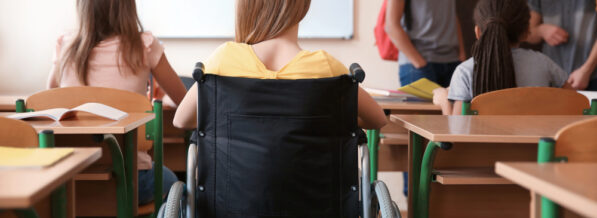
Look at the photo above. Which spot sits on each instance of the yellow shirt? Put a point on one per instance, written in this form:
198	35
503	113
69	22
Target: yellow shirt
239	60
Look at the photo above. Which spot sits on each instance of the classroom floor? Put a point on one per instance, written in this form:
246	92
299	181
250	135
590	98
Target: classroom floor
395	182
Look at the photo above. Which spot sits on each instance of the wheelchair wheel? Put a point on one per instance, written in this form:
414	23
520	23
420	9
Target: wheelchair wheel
173	204
384	201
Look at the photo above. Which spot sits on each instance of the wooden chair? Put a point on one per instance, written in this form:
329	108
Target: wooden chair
513	101
576	142
529	101
148	136
17	133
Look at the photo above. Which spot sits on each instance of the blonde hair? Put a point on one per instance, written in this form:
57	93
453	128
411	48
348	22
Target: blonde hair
99	20
260	20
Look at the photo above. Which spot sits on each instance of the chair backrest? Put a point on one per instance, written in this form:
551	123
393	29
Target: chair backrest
70	97
530	101
578	141
17	133
277	147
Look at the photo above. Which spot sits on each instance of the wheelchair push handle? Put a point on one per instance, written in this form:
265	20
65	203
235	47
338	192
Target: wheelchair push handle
357	72
198	72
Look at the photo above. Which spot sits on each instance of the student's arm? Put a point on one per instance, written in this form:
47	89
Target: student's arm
461	50
553	35
440	97
457	108
52	82
394	12
579	79
186	113
168	80
371	116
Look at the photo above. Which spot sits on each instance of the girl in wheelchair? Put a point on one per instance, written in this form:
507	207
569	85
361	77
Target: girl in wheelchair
266	47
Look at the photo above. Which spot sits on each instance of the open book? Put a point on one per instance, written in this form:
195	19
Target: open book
422	88
56	114
31	157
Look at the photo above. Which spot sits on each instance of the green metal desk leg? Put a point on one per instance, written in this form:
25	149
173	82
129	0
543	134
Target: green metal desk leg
545	154
158	151
426	176
58	196
129	153
119	172
414	174
373	145
27	213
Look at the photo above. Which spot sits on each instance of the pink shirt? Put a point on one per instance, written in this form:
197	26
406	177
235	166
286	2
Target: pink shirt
104	71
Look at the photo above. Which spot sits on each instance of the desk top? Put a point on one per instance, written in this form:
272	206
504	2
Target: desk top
571	185
90	124
408	105
7	103
21	188
486	128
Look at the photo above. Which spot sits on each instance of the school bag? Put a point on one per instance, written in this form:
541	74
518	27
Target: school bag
386	48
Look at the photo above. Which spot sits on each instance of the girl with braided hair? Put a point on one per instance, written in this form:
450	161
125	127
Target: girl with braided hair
498	62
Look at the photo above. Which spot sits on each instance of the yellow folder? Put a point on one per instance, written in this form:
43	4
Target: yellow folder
11	157
422	88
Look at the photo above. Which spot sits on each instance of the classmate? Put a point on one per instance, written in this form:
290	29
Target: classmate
111	50
266	47
569	29
497	62
427	34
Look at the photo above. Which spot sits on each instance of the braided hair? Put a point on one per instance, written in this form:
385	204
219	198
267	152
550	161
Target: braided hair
502	23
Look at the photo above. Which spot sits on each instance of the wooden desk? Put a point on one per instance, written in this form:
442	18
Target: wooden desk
21	188
82	125
7	103
91	124
571	185
466	131
392	152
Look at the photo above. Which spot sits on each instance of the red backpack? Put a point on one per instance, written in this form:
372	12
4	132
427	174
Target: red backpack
386	48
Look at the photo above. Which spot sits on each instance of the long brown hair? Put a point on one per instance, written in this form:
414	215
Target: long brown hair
260	20
98	20
502	23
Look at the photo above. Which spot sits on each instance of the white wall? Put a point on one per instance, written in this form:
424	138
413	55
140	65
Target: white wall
29	28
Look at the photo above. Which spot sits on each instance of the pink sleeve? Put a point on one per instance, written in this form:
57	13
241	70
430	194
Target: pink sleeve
153	49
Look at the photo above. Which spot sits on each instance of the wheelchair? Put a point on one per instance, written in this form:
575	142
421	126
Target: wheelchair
278	148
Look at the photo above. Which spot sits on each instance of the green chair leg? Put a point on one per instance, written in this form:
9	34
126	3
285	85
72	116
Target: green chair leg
58	196
593	110
46	139
466	108
123	210
545	154
426	176
373	145
158	154
129	154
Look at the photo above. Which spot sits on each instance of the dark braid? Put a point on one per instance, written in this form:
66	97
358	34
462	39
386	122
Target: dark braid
502	23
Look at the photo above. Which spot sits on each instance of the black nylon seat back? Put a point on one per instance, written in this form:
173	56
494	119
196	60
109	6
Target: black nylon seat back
277	148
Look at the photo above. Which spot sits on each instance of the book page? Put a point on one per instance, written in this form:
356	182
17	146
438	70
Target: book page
53	114
589	94
101	110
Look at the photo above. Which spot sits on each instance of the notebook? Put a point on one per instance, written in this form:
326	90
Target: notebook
56	114
36	158
422	88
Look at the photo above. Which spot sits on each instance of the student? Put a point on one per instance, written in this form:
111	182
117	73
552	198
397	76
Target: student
497	62
111	50
427	34
266	47
569	29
